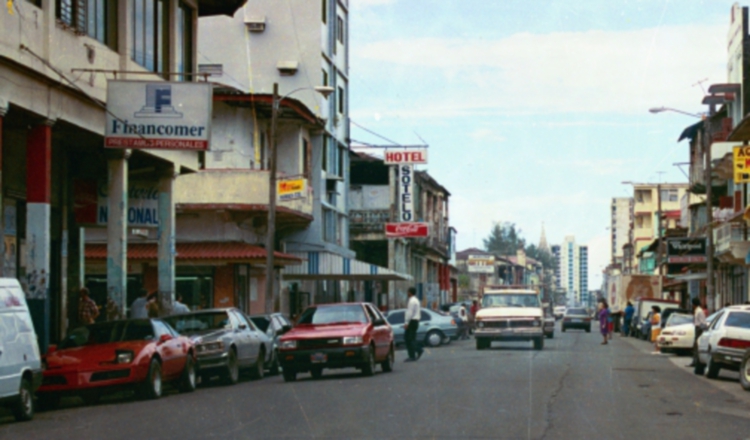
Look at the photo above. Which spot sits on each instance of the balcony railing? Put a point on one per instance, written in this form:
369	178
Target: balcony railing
369	219
728	233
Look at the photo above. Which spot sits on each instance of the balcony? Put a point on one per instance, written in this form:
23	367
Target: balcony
731	243
368	220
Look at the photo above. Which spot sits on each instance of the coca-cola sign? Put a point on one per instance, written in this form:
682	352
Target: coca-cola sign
406	229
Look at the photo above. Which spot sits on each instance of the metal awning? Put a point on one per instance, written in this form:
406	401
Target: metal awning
691	131
741	132
330	266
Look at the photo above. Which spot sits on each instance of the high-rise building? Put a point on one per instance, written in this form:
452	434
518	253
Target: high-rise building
572	270
556	255
620	227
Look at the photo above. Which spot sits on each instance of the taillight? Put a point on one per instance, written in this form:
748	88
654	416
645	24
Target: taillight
734	343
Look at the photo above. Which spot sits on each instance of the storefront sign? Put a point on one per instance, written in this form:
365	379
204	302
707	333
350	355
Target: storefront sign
741	164
91	204
686	250
406	229
291	189
481	264
405	193
158	115
409	156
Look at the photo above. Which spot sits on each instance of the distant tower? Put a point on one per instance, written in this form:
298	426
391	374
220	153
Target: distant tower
543	246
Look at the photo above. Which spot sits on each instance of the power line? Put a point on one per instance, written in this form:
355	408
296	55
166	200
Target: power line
394	143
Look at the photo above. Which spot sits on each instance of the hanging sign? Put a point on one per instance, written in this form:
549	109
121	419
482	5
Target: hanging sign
406	156
291	189
741	164
406	229
91	203
405	193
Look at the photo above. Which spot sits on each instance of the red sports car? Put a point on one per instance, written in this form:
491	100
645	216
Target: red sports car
139	353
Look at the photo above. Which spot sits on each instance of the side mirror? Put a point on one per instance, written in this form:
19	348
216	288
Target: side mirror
51	348
164	338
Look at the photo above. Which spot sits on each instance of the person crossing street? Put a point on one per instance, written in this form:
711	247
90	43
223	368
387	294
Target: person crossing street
411	325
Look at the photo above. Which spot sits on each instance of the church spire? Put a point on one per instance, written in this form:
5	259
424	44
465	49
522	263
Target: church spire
543	240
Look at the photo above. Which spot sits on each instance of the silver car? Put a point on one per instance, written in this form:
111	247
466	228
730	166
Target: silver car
225	342
434	328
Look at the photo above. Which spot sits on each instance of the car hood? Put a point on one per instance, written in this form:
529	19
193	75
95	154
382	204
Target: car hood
306	331
206	336
91	355
509	312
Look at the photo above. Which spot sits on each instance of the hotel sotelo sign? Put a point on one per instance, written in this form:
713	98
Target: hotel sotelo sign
158	115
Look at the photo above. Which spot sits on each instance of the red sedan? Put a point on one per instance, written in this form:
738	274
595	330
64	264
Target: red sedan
137	353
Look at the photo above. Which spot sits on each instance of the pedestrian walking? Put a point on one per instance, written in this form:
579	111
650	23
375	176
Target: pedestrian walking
413	348
655	327
464	315
138	308
88	311
603	316
610	324
699	321
629	312
178	307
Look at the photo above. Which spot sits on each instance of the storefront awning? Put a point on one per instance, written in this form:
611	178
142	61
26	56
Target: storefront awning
330	266
228	252
688	276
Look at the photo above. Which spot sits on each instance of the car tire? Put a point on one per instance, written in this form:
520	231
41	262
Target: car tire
259	368
151	388
563	329
482	343
289	374
387	364
588	330
712	368
434	338
539	343
316	372
48	401
368	369
745	372
232	372
273	369
23	409
551	335
188	379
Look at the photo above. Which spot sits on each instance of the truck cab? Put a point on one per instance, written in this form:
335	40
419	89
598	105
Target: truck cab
510	314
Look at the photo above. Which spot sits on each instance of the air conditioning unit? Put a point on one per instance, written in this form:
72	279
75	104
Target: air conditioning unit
287	68
255	24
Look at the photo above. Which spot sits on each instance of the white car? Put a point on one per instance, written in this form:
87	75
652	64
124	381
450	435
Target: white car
723	344
678	334
559	311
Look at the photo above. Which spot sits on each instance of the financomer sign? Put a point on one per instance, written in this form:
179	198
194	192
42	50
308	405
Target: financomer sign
158	115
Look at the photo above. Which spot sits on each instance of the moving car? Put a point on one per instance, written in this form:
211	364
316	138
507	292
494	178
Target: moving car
559	312
273	325
577	318
20	363
135	353
509	314
225	342
434	328
678	334
723	344
337	336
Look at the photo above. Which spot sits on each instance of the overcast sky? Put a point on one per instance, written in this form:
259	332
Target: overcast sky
536	111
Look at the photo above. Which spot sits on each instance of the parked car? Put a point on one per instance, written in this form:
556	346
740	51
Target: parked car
549	324
678	334
642	310
578	318
559	312
667	313
225	342
339	335
20	363
273	325
135	353
723	344
434	328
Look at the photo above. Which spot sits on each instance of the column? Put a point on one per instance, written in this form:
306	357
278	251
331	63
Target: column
3	110
117	229
166	239
38	216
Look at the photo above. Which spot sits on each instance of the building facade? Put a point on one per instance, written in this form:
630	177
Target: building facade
573	270
620	226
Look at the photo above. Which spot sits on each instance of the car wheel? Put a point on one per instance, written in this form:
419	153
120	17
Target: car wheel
562	329
289	374
273	370
259	368
316	372
539	343
368	369
745	372
188	379
588	330
712	368
48	401
232	373
482	343
387	364
23	410
151	388
433	339
551	335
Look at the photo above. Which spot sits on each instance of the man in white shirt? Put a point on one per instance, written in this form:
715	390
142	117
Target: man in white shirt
179	308
411	324
138	308
699	320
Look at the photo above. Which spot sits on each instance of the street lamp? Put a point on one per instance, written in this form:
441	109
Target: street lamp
669	109
271	228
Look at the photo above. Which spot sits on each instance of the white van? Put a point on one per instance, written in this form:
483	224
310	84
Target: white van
20	364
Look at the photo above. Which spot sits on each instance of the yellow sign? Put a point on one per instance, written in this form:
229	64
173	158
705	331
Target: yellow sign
742	164
291	189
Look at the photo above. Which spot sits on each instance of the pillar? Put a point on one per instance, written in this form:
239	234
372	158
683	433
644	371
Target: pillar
38	221
117	229
166	239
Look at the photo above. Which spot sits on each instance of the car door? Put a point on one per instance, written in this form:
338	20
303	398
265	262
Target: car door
379	332
396	320
251	335
705	339
241	337
425	321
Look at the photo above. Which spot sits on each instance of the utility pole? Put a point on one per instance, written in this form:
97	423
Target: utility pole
271	227
706	142
660	248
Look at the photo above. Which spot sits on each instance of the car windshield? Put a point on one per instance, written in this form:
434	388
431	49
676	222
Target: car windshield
333	315
738	319
576	312
510	300
199	322
261	322
105	333
679	319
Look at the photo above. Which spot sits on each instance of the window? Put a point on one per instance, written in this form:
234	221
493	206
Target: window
424	316
305	158
184	41
150	34
669	195
325	154
396	318
329	225
738	319
95	18
325	77
324	11
341	100
340	29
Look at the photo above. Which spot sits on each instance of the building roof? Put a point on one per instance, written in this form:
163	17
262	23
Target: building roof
464	254
213	251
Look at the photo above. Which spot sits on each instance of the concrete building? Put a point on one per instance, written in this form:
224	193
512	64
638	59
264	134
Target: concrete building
573	270
620	226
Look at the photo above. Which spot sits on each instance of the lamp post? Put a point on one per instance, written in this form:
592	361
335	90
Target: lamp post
271	227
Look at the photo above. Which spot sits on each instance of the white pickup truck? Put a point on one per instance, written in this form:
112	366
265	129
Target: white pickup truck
509	315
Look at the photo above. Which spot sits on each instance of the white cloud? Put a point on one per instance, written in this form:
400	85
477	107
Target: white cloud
596	71
486	134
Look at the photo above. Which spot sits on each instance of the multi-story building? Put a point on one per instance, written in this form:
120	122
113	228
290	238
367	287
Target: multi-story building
573	269
556	255
620	226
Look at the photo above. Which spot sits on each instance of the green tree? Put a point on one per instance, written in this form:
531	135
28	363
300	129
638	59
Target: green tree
541	255
504	239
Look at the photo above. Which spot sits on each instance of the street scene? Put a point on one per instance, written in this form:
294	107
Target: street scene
348	219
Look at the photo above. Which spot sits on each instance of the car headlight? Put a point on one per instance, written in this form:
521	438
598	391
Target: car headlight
210	346
480	324
288	345
124	357
352	340
536	323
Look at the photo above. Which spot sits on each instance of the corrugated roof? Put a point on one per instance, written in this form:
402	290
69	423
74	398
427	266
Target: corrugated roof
232	251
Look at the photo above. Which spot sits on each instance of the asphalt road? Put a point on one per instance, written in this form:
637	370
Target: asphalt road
574	389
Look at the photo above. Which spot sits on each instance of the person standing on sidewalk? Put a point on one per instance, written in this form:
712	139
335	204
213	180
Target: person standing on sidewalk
629	311
699	321
411	324
603	315
88	311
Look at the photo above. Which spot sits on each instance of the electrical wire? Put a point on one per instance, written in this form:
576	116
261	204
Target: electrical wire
396	144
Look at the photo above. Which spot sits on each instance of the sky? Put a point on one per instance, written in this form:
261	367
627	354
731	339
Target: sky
535	111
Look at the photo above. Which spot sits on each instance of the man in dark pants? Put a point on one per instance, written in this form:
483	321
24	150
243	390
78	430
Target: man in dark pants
411	324
699	320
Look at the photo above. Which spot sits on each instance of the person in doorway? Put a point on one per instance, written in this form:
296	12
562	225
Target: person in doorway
699	321
179	307
603	316
138	308
655	327
88	311
629	312
153	310
411	324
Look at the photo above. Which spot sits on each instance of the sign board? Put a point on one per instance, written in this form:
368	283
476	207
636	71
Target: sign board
91	204
409	156
686	250
741	164
405	193
406	229
158	115
481	264
291	189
